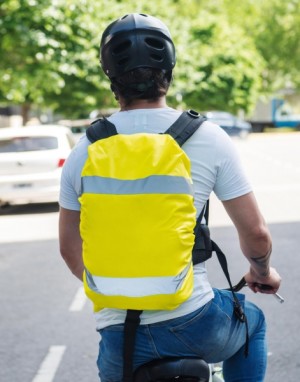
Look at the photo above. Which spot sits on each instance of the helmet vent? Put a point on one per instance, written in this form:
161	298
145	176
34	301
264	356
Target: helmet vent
123	61
125	45
154	43
156	57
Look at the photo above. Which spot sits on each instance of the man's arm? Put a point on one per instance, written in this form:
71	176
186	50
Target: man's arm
255	241
70	241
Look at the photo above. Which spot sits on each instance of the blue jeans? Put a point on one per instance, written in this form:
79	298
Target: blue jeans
211	332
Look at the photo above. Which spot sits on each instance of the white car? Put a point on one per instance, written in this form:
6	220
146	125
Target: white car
31	160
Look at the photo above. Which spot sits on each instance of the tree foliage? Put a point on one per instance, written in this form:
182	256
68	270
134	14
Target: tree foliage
46	49
218	67
228	51
274	28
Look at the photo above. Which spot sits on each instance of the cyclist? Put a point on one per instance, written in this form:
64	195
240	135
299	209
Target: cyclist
138	56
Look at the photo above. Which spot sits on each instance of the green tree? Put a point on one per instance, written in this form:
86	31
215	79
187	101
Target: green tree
44	44
274	28
278	42
218	65
50	54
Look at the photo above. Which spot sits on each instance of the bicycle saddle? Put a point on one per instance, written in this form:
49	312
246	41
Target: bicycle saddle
183	369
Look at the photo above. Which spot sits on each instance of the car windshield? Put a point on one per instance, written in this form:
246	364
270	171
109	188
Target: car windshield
20	144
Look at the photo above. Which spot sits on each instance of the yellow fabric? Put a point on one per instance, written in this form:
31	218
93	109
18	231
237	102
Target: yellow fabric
136	156
135	231
137	235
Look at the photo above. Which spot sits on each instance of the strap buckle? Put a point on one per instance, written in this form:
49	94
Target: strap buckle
193	113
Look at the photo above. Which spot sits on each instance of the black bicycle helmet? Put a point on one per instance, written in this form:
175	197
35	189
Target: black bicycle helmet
136	41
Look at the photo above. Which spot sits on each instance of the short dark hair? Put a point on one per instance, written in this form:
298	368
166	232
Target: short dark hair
141	83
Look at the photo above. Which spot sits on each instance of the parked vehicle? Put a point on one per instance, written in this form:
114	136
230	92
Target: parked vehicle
274	113
233	125
31	160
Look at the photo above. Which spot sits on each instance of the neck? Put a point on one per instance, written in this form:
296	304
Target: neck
143	104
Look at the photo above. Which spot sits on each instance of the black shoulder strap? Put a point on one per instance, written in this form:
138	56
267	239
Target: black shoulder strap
238	310
203	248
185	126
205	213
100	129
181	130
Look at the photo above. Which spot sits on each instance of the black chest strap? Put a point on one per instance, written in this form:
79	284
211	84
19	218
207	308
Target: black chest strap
132	322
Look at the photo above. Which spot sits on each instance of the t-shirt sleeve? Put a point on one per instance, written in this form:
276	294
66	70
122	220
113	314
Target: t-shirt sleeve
231	181
70	184
68	198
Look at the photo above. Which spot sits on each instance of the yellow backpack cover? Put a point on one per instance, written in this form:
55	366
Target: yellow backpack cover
137	219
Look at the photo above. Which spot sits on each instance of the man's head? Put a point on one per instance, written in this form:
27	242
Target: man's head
138	55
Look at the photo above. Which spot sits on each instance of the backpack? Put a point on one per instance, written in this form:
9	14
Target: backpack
138	222
140	185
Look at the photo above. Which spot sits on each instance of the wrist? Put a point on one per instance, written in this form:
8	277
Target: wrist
260	273
260	266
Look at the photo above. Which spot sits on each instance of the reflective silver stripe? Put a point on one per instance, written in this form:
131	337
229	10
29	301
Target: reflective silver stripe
154	184
135	286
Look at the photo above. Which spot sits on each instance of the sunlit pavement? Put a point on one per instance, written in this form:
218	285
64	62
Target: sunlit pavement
272	163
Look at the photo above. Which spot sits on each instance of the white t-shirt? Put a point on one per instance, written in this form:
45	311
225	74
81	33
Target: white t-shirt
215	166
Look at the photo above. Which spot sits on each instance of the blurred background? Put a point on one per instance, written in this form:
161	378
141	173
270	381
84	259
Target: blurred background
235	56
237	63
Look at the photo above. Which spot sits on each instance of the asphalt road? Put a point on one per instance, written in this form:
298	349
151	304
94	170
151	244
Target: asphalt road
47	329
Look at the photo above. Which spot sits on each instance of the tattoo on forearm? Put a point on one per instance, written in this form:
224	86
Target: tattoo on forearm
262	263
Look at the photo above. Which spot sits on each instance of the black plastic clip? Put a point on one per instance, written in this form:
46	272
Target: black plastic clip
193	113
238	311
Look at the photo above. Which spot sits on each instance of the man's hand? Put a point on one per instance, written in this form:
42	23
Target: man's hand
256	282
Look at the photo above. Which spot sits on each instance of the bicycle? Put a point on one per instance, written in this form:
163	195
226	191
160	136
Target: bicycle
186	369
